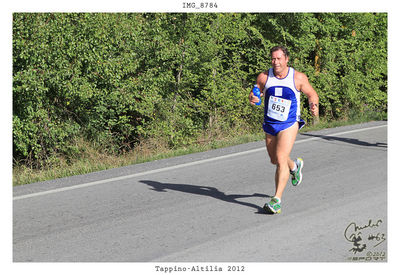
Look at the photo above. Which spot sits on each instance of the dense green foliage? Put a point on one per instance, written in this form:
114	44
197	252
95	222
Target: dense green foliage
118	79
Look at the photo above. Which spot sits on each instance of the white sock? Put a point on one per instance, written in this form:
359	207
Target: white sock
279	199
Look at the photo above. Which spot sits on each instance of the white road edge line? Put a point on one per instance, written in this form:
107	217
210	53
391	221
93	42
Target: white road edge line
177	166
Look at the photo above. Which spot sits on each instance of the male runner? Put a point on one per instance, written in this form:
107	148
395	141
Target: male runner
281	86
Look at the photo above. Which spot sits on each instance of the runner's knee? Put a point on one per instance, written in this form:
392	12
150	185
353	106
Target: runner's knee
282	160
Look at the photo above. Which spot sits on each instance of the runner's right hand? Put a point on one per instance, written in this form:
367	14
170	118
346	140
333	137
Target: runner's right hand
253	99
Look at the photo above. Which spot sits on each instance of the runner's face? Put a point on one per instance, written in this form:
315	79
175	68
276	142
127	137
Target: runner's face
279	61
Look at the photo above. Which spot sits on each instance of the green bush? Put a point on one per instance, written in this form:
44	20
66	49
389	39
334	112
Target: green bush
118	79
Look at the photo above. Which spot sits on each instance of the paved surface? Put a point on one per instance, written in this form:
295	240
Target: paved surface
206	207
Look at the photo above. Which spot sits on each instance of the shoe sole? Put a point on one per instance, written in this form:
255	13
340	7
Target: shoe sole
271	210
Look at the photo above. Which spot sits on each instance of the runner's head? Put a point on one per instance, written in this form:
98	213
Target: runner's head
282	48
279	59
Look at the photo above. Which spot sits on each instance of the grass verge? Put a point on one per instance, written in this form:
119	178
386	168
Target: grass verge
94	160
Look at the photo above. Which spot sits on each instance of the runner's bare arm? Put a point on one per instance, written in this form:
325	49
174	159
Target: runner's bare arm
308	90
261	80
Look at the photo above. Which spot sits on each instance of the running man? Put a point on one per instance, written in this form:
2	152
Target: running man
281	86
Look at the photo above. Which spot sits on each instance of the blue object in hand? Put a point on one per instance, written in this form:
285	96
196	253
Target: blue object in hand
257	93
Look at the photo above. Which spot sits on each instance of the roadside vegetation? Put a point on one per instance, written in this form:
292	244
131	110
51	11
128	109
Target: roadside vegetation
93	91
93	160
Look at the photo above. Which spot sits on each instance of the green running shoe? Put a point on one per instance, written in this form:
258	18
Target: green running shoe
297	176
274	206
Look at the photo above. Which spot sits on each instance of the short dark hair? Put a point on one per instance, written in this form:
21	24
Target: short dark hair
277	48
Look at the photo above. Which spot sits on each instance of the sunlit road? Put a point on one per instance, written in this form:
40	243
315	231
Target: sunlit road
208	207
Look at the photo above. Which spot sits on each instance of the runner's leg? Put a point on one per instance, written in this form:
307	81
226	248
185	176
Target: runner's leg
270	142
284	144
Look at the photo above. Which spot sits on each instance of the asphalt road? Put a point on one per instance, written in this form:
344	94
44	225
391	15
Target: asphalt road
207	207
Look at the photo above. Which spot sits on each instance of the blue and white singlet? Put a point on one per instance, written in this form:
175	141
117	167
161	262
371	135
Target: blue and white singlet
282	103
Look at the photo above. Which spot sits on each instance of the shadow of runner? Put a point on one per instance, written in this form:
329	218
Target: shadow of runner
348	140
205	191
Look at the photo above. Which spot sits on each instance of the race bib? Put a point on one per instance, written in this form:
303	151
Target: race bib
278	108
